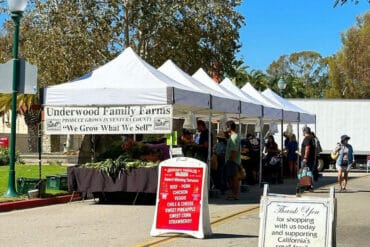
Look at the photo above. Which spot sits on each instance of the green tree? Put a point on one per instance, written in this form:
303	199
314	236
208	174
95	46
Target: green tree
193	33
68	38
305	73
258	79
240	75
51	39
350	67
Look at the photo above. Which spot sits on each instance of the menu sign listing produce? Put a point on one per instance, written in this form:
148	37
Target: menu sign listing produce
180	198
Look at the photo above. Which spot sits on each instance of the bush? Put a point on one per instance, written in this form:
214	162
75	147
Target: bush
4	157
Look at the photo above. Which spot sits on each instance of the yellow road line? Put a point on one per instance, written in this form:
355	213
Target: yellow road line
159	241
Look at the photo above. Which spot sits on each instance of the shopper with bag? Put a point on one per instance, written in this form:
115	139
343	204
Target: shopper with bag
344	161
308	153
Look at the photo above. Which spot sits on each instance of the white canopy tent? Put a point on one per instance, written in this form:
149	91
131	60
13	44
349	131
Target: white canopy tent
229	86
290	114
304	116
126	80
234	102
219	102
270	111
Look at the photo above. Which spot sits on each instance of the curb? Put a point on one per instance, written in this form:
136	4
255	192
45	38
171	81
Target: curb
37	202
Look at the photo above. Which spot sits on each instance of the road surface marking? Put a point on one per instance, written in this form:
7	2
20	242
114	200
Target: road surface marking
168	238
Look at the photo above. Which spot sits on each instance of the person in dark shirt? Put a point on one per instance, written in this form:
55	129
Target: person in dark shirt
318	150
271	149
255	156
201	152
308	151
292	156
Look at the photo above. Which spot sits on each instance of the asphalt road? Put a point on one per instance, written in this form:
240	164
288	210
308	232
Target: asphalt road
86	223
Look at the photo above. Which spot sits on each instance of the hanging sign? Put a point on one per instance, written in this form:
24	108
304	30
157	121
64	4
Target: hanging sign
182	198
131	119
288	221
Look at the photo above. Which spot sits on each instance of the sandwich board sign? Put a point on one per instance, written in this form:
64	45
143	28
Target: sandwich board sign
290	221
182	198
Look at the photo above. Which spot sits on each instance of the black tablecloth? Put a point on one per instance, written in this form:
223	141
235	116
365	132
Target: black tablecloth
91	180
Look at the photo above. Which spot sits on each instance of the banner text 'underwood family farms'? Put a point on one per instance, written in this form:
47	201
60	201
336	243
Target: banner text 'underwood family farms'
137	119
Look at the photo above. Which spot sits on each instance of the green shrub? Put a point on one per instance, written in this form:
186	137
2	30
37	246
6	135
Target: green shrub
4	157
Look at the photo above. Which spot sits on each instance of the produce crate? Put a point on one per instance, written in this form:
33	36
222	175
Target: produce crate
57	182
26	184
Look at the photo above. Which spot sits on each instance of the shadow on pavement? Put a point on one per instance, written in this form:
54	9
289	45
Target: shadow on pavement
253	193
225	236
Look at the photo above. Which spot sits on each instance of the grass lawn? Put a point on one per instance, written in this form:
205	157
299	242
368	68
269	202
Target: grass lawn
28	171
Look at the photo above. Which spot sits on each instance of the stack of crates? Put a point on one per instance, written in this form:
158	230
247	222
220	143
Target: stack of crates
57	182
26	184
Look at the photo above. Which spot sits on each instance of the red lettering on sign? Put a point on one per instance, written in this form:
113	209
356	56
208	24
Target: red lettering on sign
180	194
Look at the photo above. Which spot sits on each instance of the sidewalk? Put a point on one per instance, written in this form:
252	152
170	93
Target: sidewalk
242	227
234	223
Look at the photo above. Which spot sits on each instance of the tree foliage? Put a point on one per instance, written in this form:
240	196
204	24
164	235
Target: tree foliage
350	67
193	33
68	38
304	72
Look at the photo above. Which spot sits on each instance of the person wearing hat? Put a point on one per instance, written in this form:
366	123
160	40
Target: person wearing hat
344	161
308	150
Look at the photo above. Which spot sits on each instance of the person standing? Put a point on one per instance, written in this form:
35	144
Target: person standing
245	152
218	158
318	150
292	156
308	152
201	150
344	161
271	149
232	159
255	156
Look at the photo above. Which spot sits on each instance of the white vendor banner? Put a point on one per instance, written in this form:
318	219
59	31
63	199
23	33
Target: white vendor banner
132	119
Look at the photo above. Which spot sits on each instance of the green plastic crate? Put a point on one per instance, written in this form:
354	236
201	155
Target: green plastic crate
26	184
57	182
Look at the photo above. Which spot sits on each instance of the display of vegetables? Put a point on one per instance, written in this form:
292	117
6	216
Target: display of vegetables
123	164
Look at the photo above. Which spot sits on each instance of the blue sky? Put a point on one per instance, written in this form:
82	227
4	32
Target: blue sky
277	27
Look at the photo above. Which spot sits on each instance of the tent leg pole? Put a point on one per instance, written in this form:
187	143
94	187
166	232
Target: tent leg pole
282	151
261	151
209	149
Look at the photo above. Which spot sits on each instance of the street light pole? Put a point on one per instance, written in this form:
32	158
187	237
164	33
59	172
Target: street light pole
16	8
281	85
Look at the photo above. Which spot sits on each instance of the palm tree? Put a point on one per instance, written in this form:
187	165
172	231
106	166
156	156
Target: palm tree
28	106
258	79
